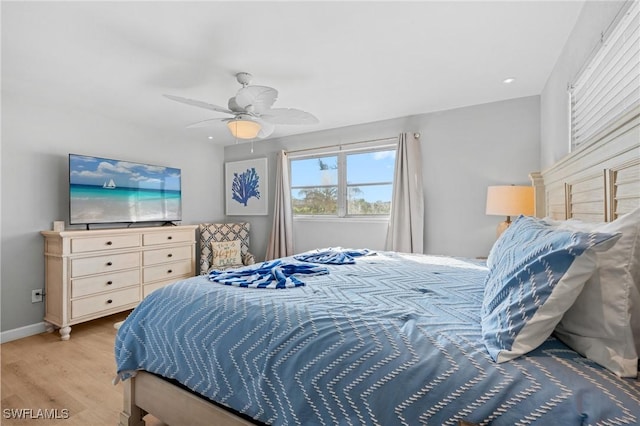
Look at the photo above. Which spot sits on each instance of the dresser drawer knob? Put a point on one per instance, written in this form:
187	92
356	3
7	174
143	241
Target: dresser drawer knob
169	237
170	255
169	271
109	243
109	282
109	301
109	263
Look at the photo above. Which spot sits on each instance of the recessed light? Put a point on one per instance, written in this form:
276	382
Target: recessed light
508	80
210	137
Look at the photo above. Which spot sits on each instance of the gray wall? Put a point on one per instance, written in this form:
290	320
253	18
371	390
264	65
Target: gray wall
463	151
594	19
36	140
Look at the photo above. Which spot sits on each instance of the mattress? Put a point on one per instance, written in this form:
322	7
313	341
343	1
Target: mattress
394	339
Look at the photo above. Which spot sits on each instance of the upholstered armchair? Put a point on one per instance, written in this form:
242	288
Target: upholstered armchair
224	246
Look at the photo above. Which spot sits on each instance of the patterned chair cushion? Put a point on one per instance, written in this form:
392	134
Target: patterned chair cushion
218	232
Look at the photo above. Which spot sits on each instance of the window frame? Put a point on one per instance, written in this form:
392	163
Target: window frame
342	184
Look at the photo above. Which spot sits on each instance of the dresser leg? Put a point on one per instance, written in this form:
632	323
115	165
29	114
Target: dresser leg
65	333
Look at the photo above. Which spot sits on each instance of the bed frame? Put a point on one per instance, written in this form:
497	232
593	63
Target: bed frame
598	182
147	393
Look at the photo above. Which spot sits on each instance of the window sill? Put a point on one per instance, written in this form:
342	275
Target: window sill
347	219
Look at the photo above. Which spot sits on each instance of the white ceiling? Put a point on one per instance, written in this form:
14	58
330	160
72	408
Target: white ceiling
345	62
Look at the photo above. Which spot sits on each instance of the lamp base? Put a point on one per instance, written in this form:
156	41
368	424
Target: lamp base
502	226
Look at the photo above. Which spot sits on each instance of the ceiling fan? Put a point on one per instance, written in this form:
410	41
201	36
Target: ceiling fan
250	110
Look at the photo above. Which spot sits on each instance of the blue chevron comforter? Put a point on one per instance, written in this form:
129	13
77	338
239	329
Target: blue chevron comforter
392	340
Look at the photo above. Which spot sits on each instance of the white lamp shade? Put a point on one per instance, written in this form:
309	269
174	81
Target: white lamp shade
244	129
510	200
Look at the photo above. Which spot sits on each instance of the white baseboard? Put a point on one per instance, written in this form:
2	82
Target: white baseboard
26	331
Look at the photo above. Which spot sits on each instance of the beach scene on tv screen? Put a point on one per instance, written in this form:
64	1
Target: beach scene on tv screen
103	190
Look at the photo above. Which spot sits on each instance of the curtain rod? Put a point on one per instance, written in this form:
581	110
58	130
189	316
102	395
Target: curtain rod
393	138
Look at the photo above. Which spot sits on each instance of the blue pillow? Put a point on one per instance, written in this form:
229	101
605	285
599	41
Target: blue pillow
537	272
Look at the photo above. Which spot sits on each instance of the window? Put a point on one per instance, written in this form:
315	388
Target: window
609	85
344	184
314	186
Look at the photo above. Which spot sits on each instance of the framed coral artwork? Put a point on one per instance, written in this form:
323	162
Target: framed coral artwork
246	187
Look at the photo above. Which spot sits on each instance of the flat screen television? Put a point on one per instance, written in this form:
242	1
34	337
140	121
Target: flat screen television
103	190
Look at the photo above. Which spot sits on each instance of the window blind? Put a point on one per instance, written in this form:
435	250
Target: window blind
608	86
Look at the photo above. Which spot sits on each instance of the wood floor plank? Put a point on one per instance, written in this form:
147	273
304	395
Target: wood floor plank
43	372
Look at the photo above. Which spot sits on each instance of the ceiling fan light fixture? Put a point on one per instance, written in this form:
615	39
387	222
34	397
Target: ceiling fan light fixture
244	129
253	115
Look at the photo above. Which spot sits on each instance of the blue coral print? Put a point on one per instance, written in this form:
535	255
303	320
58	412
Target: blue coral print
245	185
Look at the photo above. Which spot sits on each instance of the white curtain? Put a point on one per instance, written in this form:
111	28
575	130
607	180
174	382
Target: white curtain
281	240
406	221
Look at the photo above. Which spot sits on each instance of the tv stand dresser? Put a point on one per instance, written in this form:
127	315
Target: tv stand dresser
94	273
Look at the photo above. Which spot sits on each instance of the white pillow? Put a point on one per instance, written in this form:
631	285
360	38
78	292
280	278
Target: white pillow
226	254
604	322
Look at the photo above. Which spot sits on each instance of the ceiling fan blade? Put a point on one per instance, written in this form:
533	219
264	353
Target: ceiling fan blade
206	123
289	116
266	129
238	110
199	104
259	97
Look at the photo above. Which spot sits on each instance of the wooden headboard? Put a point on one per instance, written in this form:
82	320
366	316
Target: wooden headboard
599	181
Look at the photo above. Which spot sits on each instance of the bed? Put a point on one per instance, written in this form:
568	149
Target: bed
396	338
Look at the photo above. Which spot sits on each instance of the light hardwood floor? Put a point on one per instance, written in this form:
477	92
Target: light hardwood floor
43	372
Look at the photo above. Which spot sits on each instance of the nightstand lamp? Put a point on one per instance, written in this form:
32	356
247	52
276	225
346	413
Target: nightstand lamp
509	200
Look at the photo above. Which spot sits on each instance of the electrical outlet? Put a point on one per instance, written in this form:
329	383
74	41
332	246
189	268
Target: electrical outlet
36	295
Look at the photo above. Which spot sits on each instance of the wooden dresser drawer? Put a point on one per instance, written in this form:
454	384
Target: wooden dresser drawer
107	282
167	271
168	237
103	302
100	264
153	257
106	242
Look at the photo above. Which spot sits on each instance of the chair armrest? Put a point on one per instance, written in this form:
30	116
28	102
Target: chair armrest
204	265
248	259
